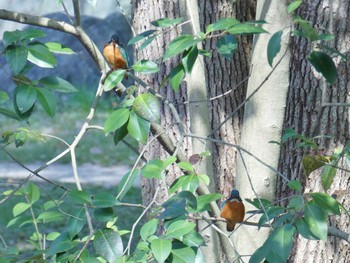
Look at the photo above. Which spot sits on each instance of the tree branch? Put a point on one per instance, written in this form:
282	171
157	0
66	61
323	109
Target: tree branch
76	8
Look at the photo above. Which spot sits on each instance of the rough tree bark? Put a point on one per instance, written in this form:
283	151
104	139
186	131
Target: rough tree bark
307	112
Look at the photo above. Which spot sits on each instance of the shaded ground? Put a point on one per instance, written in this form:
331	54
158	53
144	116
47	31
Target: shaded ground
88	173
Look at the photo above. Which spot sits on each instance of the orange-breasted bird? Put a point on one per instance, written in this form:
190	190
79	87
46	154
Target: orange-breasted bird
115	54
233	210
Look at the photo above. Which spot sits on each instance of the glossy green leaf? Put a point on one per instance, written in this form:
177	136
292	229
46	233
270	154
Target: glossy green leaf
189	59
126	183
295	185
79	197
147	106
120	133
76	222
3	96
296	203
241	29
153	169
31	34
204	200
304	229
166	22
327	203
116	120
50	216
186	166
40	55
176	76
226	46
189	197
281	243
47	101
274	46
190	183
61	244
148	41
161	249
19	221
193	239
138	127
178	45
222	24
327	176
255	202
149	228
168	161
324	64
16	57
173	209
113	79
9	114
104	214
293	6
25	97
19	208
57	84
271	213
183	255
179	228
104	200
307	30
11	37
58	48
145	66
316	220
108	244
141	36
33	193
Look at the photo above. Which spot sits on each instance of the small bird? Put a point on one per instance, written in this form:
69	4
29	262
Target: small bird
233	210
115	54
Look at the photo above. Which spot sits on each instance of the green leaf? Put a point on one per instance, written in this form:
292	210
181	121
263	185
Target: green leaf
161	249
50	216
190	183
226	46
204	200
179	228
57	84
173	209
40	55
116	120
76	222
31	34
189	59
120	133
327	203
11	37
153	169
222	24
61	244
141	36
58	48
293	6
147	41
33	193
147	106
327	176
288	133
316	220
19	208
25	97
104	214
138	127
16	57
193	239
186	166
9	114
104	200
108	244
304	229
126	183
3	96
255	202
281	243
295	185
178	45
271	213
145	66
166	22
79	197
241	29
176	76
324	64
183	255
113	79
274	46
149	229
47	101
296	203
308	31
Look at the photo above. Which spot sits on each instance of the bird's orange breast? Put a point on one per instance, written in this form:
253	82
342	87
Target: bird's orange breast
114	57
233	212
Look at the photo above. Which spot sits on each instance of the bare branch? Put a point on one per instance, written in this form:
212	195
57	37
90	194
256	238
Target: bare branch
77	21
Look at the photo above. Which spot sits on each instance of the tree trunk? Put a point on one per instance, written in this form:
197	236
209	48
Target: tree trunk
307	113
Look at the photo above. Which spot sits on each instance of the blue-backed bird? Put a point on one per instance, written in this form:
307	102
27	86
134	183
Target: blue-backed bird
115	54
233	210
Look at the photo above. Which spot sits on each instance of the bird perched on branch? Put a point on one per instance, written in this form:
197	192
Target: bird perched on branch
233	210
115	54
